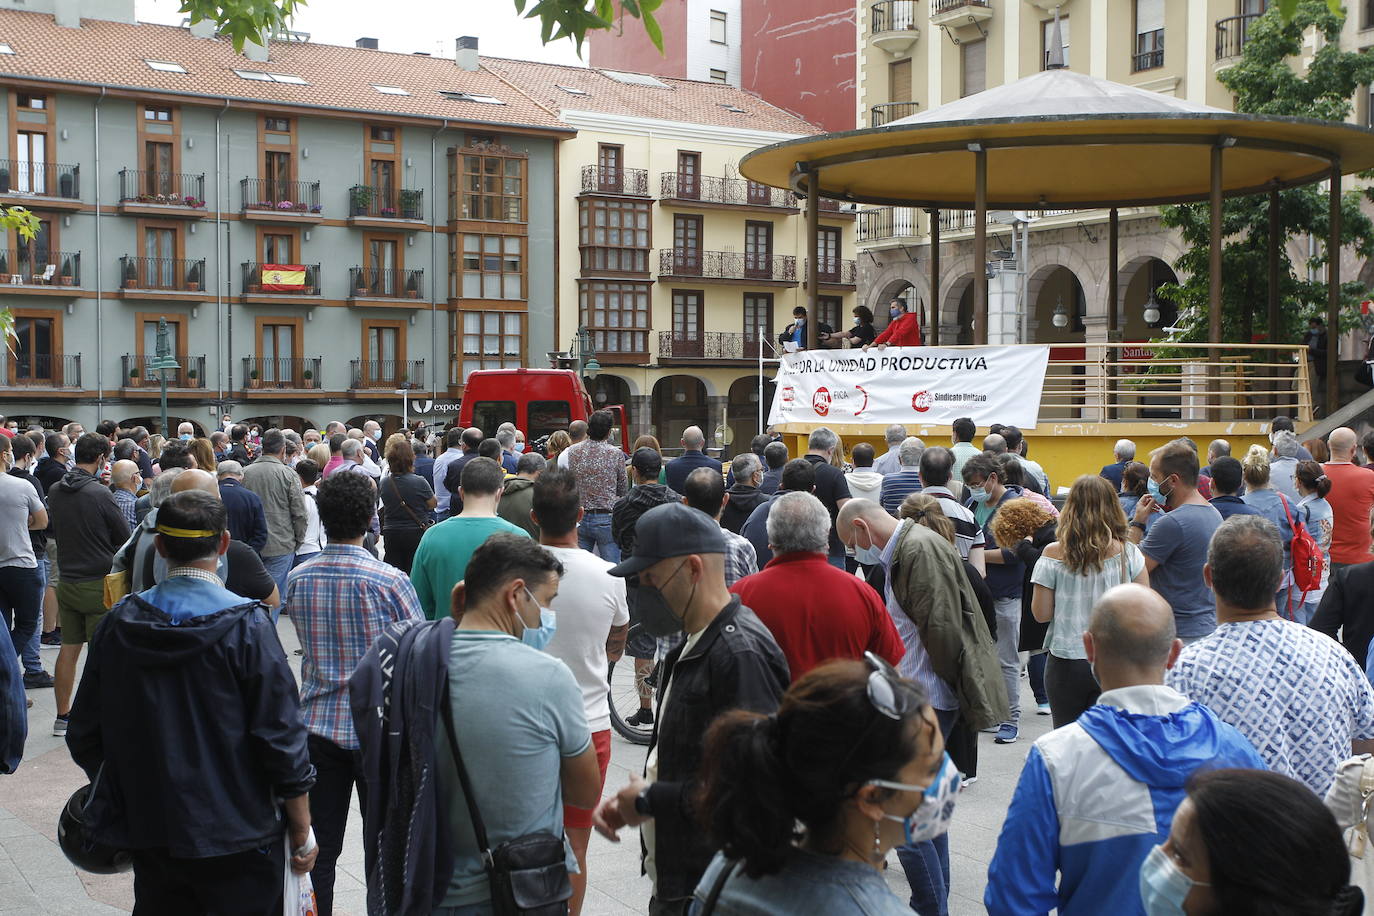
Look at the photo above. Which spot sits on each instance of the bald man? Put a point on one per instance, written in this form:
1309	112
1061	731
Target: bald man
125	479
1351	498
693	456
1097	795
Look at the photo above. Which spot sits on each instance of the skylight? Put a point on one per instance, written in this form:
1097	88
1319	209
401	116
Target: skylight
5	49
635	79
165	66
730	107
573	90
262	77
391	90
470	97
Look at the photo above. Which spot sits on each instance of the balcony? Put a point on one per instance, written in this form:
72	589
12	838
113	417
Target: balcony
161	195
281	373
40	185
1232	34
707	345
385	283
727	267
892	25
137	373
886	113
885	224
267	284
385	208
39	269
1149	51
710	191
43	370
959	12
834	272
386	374
157	277
626	182
268	200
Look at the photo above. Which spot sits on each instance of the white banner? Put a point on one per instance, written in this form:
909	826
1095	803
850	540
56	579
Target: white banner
912	385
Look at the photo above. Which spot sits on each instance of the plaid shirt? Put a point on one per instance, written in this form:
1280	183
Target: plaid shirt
740	558
339	602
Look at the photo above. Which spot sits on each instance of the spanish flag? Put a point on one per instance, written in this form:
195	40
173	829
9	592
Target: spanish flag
283	277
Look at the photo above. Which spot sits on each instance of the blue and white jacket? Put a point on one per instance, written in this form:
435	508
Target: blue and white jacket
1096	795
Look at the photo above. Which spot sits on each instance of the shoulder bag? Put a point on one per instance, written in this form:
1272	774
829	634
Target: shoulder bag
709	907
423	523
528	875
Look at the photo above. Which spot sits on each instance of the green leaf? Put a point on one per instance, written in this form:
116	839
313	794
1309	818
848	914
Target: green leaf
654	31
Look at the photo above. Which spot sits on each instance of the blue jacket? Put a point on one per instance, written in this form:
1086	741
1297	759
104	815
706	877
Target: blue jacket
247	520
1096	795
689	461
1113	472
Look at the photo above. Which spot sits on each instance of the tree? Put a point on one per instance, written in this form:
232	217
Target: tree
252	20
26	224
1264	82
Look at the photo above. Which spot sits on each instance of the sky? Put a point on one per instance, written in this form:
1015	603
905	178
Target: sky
418	25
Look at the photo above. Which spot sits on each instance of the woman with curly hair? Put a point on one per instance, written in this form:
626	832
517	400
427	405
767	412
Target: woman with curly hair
557	443
1090	556
1024	527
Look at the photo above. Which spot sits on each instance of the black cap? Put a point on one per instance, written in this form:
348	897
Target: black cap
671	530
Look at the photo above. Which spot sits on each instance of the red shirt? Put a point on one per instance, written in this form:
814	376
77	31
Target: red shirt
817	612
902	331
1351	496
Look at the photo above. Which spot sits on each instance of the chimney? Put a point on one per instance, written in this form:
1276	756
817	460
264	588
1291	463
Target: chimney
256	52
466	58
203	29
368	43
67	13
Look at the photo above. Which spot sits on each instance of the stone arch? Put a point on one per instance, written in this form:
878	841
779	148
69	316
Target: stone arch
1045	257
742	409
900	281
1049	286
632	387
1136	280
679	401
956	312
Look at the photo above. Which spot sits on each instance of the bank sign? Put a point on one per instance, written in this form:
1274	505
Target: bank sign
912	385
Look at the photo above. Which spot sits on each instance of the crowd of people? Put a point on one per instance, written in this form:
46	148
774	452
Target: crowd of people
819	641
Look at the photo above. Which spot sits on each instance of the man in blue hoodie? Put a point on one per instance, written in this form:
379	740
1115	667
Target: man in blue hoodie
1097	795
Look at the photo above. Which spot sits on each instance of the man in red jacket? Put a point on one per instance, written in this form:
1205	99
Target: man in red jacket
904	330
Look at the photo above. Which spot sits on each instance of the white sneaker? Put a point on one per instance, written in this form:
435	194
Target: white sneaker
59	727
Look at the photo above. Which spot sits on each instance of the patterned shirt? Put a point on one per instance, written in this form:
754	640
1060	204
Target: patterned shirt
1295	693
127	503
740	558
600	471
339	602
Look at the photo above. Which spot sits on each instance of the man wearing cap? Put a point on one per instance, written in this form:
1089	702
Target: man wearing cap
729	661
188	725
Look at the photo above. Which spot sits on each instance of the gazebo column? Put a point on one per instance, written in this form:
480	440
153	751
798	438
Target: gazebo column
1333	294
1275	373
980	242
934	329
1214	290
813	246
1113	308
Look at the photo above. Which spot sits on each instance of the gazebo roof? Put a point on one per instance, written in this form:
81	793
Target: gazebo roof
1063	139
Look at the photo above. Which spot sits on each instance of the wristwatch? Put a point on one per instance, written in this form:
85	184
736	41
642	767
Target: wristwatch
1136	524
642	803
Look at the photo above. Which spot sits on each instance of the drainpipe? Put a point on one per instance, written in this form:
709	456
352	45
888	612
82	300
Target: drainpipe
434	281
99	257
219	269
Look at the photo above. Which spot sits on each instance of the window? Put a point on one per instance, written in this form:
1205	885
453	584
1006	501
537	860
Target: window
261	77
5	48
973	57
687	245
828	312
151	113
719	76
687	309
278	248
758	317
160	258
733	108
899	81
608	175
383	362
614	235
32	100
165	66
33	349
688	175
828	253
391	90
616	315
157	168
493	267
718	23
635	79
493	187
1366	14
31	165
1149	35
279	125
758	249
32	256
276	352
470	97
382	174
383	274
383	134
489	340
573	90
1047	40
276	173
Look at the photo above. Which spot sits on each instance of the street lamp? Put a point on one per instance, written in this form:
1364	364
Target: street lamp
1061	315
587	364
162	362
1151	313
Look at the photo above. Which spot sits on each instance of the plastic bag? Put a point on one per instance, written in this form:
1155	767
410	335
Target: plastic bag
298	892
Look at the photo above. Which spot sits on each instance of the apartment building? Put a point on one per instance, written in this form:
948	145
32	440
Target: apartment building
320	226
679	271
919	55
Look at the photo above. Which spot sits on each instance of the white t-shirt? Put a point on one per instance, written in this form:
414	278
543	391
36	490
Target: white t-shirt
590	601
18	501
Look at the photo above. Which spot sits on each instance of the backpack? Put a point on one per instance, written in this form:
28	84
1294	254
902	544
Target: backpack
1307	557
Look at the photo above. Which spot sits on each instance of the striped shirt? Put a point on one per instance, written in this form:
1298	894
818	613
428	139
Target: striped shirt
898	486
339	602
968	534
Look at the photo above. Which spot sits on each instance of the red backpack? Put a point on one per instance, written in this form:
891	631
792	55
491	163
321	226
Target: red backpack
1307	558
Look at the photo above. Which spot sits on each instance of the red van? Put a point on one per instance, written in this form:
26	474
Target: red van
538	401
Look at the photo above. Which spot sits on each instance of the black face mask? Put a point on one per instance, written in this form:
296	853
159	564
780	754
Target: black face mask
655	614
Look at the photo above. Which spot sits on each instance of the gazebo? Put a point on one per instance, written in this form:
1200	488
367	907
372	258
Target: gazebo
1064	140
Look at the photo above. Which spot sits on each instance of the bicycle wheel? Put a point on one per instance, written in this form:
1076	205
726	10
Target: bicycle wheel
624	702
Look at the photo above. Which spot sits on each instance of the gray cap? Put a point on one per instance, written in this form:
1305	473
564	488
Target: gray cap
671	530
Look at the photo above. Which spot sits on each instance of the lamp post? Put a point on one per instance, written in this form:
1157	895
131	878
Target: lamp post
587	365
162	361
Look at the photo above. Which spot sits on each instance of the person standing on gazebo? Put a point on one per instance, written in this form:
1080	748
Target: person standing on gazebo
903	330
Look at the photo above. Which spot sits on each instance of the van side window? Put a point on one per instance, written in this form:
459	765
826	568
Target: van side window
488	415
547	417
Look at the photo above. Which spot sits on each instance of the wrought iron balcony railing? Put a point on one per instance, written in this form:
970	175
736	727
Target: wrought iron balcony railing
387	374
40	370
630	182
385	283
255	284
725	265
35	267
268	372
281	196
20	177
167	274
715	190
167	188
386	203
138	372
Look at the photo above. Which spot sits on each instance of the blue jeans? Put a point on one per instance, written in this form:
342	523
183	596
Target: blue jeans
277	568
21	607
927	864
14	717
1035	668
594	534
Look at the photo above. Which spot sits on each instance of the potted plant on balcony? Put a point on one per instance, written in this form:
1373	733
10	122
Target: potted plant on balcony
66	184
192	374
130	275
410	204
253	377
389	212
412	287
133	376
316	209
195	203
360	199
286	205
360	283
308	377
67	279
193	278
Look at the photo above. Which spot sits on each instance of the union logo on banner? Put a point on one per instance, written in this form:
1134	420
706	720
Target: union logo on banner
921	401
820	401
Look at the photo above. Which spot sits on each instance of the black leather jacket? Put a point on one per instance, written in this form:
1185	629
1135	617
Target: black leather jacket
735	665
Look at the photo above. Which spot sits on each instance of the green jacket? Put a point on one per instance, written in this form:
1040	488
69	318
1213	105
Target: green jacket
930	586
516	501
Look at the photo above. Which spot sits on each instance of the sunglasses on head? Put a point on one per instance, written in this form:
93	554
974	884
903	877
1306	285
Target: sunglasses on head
889	694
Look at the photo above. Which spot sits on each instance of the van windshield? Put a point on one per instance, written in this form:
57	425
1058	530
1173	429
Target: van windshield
488	415
547	417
